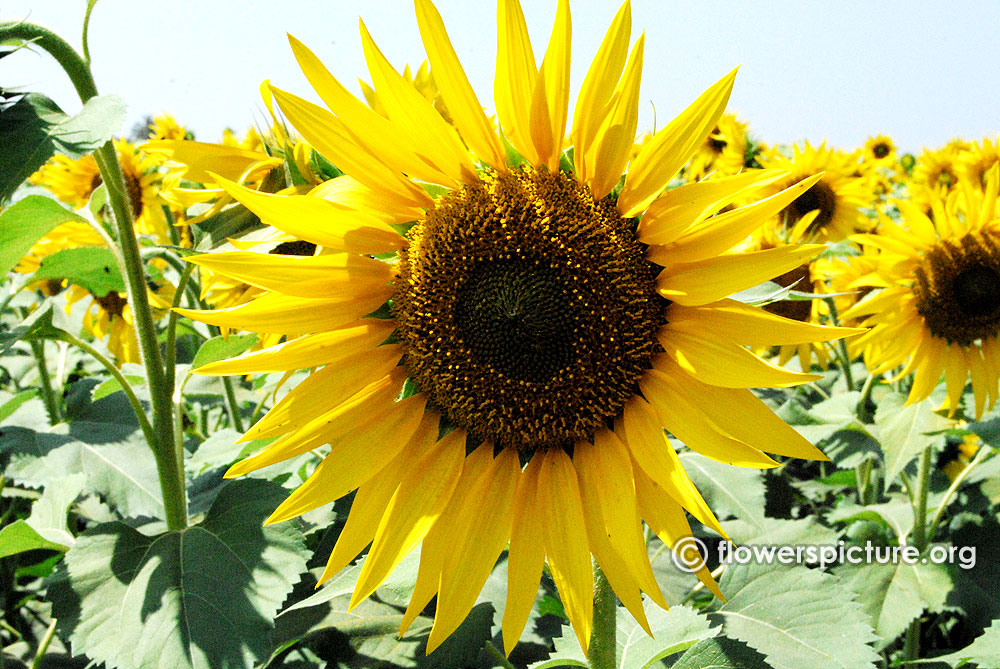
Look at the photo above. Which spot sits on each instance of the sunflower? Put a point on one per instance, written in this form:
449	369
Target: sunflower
838	196
940	311
165	126
501	336
935	174
879	151
975	162
724	150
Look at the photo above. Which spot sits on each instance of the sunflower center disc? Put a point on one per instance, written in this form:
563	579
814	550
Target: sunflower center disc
821	197
527	309
958	289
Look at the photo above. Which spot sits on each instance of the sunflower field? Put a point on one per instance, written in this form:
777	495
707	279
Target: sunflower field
420	377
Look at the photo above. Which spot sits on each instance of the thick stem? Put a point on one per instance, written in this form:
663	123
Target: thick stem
170	470
601	654
920	538
48	394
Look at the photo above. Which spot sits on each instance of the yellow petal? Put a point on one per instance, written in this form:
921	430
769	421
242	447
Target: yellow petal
435	140
476	129
723	232
526	558
671	214
334	141
930	366
566	540
353	460
319	349
710	280
324	390
680	412
594	102
616	136
318	221
514	84
667	151
550	102
666	518
605	473
715	360
200	157
281	314
373	497
423	493
354	195
482	532
955	374
342	275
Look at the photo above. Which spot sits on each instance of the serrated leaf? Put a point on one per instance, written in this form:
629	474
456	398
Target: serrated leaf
90	267
896	514
222	348
780	532
19	537
674	631
204	596
111	386
785	613
115	458
567	653
720	653
34	128
905	431
24	223
984	651
894	594
729	490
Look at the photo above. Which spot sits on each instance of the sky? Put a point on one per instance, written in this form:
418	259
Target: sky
920	72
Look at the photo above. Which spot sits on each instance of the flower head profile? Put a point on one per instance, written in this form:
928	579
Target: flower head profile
500	330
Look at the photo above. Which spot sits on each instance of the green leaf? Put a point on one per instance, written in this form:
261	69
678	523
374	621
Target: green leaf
39	325
90	267
894	594
222	348
786	613
905	431
34	129
728	490
780	532
48	514
19	537
720	653
233	221
115	458
896	514
15	402
24	223
200	597
674	631
984	651
111	386
567	652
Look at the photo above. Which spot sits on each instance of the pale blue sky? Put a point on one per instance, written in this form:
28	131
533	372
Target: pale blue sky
922	72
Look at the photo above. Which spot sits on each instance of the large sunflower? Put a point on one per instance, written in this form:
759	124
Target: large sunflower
503	335
940	313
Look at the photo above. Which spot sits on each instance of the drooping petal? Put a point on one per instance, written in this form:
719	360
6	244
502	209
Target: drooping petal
354	195
526	557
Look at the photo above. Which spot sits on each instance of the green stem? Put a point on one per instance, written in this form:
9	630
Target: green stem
498	656
981	455
911	643
86	30
50	632
232	404
861	408
841	347
48	395
140	413
169	469
601	654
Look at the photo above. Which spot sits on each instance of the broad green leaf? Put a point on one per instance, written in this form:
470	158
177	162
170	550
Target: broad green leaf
894	594
674	631
204	596
896	514
978	537
19	537
48	514
40	324
567	653
24	223
90	267
111	386
115	459
222	348
728	490
905	431
219	450
780	532
231	222
34	128
983	652
720	653
786	613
